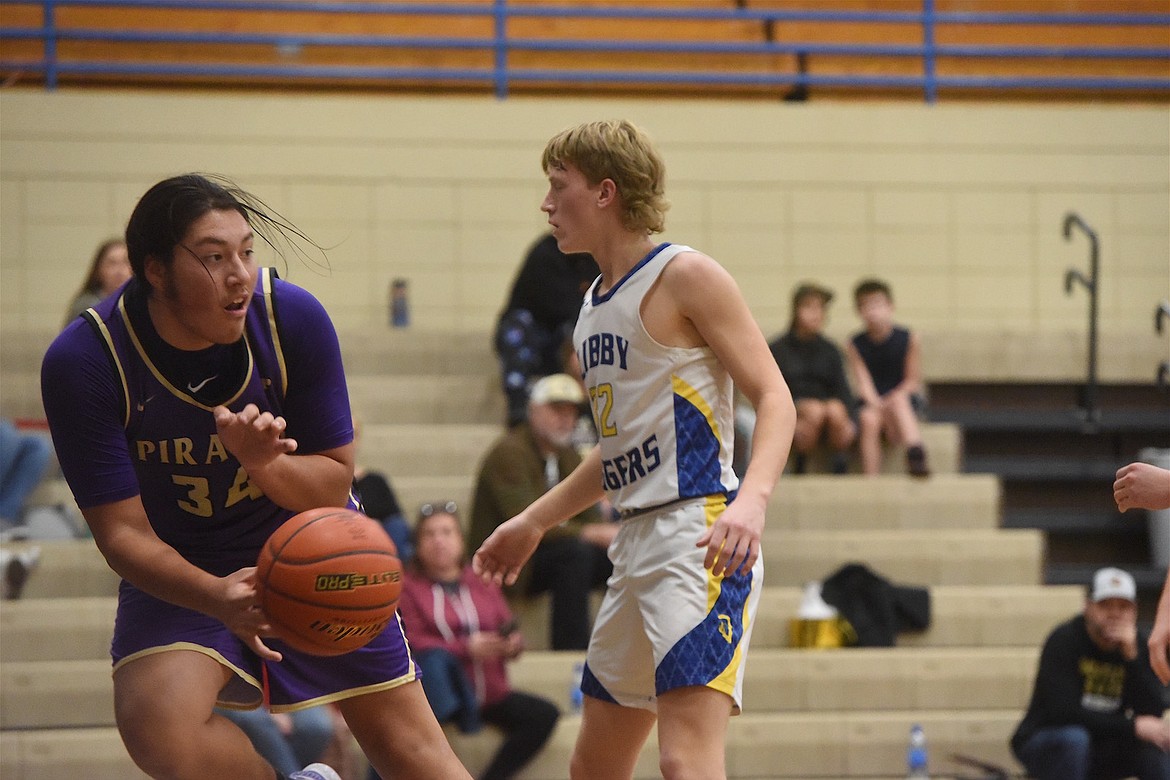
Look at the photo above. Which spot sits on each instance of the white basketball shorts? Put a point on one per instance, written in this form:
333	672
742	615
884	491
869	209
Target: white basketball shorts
666	622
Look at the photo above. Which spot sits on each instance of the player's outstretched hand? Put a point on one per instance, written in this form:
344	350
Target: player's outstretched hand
1142	486
502	554
241	614
733	541
254	437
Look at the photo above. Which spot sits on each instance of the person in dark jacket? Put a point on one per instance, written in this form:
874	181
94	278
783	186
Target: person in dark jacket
539	315
815	371
1096	707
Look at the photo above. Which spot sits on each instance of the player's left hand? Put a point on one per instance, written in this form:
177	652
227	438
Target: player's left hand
733	541
256	438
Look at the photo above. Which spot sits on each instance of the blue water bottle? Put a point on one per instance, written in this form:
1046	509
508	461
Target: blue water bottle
916	754
576	698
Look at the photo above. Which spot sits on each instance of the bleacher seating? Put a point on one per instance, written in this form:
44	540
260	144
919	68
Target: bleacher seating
429	406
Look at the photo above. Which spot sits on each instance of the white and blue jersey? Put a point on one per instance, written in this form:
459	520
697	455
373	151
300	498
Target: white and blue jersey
664	414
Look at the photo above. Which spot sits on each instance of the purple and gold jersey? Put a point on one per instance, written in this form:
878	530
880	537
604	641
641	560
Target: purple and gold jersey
132	416
196	494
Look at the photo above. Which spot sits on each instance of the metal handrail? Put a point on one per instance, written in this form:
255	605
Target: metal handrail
502	75
1163	371
1071	276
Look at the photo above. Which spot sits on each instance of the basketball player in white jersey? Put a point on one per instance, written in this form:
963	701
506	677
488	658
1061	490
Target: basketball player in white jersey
663	334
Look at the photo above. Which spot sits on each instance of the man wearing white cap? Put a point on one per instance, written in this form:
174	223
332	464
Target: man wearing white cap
1096	707
520	467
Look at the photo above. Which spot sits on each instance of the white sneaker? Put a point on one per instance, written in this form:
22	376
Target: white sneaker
315	772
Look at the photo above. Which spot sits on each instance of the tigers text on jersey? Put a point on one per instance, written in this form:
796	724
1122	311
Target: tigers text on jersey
664	414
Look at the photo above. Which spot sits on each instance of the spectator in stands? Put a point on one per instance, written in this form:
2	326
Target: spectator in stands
380	502
539	315
287	740
815	371
464	637
520	467
23	459
1145	486
1096	708
585	435
886	371
109	270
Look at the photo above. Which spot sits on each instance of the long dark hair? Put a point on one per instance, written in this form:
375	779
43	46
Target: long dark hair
167	210
93	282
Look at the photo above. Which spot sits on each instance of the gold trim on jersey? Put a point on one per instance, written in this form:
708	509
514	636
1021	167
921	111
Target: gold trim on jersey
265	284
207	651
682	388
182	395
100	324
724	682
349	693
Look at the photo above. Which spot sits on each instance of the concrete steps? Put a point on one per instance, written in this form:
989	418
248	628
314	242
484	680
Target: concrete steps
79	693
815	501
964	616
430	406
913	556
764	746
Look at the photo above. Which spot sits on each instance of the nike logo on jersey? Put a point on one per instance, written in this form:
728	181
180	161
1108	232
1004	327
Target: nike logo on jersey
196	388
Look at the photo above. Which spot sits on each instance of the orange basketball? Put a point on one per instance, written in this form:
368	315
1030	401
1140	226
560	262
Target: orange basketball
328	580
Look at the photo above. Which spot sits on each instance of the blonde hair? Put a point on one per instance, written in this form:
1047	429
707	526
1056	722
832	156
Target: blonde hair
620	151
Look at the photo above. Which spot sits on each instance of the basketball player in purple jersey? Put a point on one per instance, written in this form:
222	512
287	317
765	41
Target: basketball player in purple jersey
193	412
662	335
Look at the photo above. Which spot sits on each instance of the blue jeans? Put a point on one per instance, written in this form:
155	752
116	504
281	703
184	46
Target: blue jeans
311	732
1072	753
448	690
23	458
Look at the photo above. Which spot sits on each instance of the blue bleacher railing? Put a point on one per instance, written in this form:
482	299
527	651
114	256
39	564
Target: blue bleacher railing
501	75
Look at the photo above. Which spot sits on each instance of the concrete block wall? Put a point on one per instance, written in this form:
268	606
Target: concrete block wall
958	206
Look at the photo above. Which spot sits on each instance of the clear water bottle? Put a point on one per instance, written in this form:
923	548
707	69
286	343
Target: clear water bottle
576	698
916	754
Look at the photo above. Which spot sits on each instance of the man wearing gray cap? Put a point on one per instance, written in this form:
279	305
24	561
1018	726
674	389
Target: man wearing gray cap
1096	707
